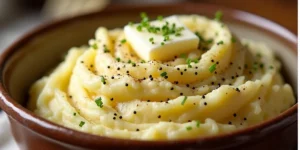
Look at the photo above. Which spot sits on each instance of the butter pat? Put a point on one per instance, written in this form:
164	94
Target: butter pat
155	46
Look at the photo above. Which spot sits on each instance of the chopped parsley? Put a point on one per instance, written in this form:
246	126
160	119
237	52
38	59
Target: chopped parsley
183	56
103	79
123	41
99	102
74	114
166	29
199	36
218	15
188	61
143	61
220	42
95	46
118	59
106	50
189	128
197	123
160	18
81	123
212	68
139	28
151	40
184	99
195	60
209	41
164	74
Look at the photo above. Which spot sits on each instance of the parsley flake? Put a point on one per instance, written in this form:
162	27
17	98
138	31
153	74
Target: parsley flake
160	18
95	46
99	102
220	42
183	56
184	99
218	15
81	123
123	41
212	68
106	50
197	123
164	74
189	128
103	79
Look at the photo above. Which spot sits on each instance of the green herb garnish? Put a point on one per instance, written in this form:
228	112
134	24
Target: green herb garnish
189	128
188	61
183	56
218	15
123	41
220	42
195	60
209	41
164	74
103	79
81	123
118	59
106	50
95	46
197	123
184	99
160	18
74	114
139	28
212	68
99	102
199	36
151	40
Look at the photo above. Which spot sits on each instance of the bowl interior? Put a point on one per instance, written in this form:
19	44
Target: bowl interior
36	54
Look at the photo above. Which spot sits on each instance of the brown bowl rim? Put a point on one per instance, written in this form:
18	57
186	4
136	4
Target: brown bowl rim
73	137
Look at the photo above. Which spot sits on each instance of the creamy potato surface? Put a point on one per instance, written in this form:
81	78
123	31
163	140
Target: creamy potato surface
222	85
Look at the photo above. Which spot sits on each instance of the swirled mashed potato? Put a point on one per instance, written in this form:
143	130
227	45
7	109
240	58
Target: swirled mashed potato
106	89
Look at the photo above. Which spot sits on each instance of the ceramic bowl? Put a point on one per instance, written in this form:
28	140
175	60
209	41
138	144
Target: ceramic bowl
35	53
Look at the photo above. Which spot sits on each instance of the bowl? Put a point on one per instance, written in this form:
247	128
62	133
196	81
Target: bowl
35	53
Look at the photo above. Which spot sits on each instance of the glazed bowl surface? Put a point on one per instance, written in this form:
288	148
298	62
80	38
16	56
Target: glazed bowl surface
38	51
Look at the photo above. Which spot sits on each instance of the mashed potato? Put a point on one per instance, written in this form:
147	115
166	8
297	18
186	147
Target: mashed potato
106	89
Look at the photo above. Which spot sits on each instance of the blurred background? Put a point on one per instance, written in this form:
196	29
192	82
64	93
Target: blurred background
19	16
